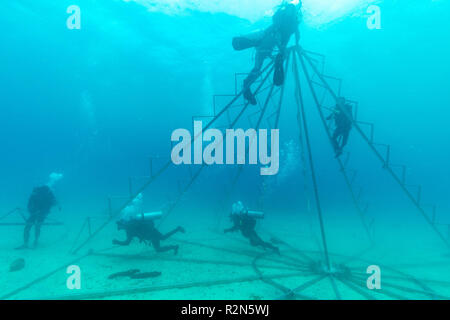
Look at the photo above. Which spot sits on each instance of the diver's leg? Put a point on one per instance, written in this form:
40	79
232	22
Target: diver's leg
270	246
26	232
26	235
334	140
259	61
37	233
253	75
171	233
37	229
345	136
339	143
157	245
256	241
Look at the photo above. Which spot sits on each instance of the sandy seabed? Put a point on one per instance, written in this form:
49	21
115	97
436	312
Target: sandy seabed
211	265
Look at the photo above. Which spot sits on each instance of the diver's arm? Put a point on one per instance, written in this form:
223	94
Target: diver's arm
234	228
333	114
123	243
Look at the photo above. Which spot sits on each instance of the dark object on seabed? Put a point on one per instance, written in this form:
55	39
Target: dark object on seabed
123	274
17	265
145	275
275	240
135	274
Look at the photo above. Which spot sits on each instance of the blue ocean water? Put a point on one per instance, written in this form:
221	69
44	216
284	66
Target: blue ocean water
96	103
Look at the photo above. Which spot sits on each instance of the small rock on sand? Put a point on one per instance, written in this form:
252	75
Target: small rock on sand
17	265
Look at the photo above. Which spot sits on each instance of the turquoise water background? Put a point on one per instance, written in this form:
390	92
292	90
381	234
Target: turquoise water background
95	103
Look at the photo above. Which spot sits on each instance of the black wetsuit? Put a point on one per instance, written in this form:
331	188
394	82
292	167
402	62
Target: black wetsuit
285	24
246	225
146	232
40	203
343	126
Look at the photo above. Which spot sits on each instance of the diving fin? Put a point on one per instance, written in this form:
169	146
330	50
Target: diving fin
278	74
242	43
247	41
248	95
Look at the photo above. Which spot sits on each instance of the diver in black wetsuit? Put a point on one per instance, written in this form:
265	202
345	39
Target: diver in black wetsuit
145	231
246	224
343	125
285	23
41	201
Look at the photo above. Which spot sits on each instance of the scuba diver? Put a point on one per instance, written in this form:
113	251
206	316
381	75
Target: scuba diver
40	203
343	125
245	222
145	231
142	226
285	23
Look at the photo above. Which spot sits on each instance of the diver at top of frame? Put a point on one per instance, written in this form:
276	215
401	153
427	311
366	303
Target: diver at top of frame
285	23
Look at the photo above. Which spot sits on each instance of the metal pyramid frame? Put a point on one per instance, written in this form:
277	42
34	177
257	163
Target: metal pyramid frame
340	270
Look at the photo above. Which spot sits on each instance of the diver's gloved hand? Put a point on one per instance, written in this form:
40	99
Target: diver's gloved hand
181	229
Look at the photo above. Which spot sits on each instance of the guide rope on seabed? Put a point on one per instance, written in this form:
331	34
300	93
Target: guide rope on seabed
314	265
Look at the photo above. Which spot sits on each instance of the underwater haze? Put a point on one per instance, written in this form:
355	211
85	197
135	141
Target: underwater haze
99	105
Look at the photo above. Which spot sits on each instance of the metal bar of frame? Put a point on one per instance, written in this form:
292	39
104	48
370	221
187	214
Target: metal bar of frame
382	159
160	171
197	174
301	107
341	164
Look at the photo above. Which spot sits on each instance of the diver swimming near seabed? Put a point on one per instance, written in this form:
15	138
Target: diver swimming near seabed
285	23
146	232
141	225
343	125
40	203
245	222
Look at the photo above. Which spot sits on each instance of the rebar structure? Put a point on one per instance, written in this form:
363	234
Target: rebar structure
305	268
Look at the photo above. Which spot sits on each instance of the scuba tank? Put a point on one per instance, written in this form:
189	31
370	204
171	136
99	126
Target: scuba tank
150	216
255	214
133	209
239	209
247	41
